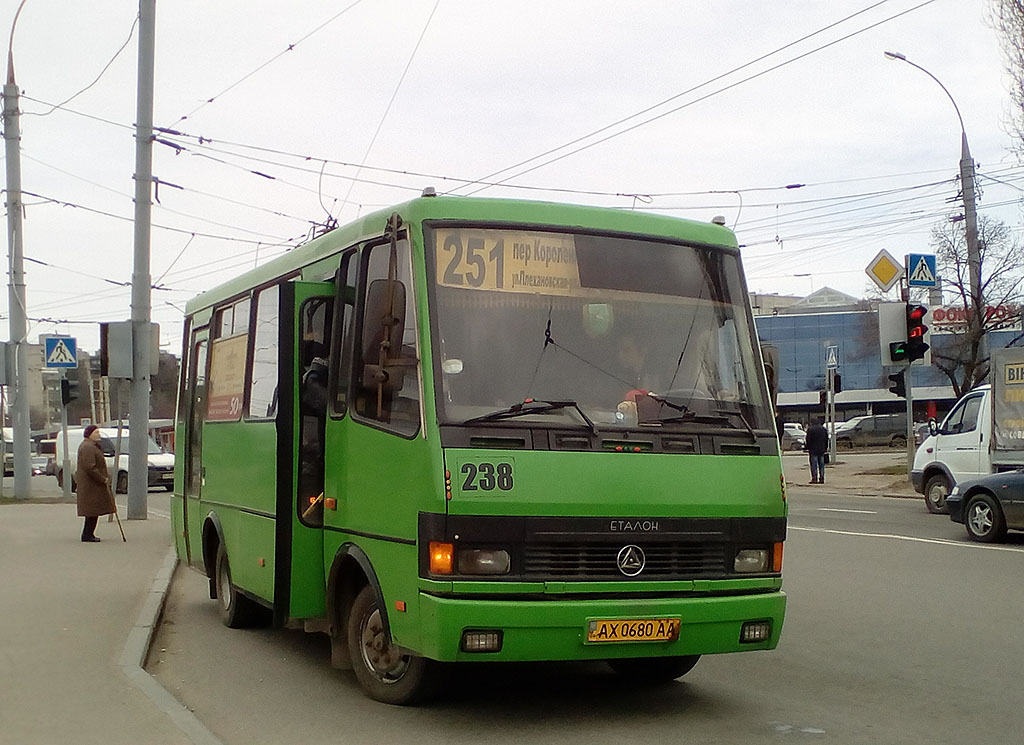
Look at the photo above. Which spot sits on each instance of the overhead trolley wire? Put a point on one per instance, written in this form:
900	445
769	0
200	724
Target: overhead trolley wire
391	101
270	61
698	87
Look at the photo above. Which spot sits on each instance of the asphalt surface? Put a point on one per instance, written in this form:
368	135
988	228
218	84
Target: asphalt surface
77	621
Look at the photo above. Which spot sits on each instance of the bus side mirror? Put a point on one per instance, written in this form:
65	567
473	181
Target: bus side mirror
933	428
384	361
383	320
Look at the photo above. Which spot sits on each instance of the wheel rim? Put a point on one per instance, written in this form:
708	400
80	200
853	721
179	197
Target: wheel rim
224	586
379	656
937	494
980	519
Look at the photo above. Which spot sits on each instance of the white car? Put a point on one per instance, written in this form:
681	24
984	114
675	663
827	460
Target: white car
160	463
793	436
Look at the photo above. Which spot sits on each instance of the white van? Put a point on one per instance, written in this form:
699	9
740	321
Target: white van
161	463
963	447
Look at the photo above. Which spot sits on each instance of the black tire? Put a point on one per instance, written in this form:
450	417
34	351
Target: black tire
898	441
796	446
984	519
844	444
653	670
122	482
935	490
235	609
383	672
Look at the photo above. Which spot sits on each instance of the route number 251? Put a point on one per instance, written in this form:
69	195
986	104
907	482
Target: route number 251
471	264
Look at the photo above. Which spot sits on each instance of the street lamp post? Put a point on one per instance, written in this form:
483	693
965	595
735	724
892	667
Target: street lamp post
970	214
16	284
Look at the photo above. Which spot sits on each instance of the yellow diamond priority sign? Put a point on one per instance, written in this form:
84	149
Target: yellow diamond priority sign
885	270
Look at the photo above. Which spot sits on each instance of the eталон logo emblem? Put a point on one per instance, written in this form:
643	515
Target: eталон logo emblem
631	560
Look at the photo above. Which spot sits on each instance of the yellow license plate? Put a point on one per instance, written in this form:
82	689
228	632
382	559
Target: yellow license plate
639	630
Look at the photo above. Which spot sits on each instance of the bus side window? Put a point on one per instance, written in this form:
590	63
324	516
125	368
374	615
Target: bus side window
263	385
341	344
387	382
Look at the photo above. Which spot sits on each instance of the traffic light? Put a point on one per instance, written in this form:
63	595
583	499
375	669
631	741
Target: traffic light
822	398
899	384
916	346
68	391
837	383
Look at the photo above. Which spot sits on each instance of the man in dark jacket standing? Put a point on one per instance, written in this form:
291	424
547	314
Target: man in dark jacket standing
94	497
816	444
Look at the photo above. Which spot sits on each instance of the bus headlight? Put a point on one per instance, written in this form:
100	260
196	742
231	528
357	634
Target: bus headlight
751	560
484	561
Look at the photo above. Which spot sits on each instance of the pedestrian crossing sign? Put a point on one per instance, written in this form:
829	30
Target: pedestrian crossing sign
921	270
60	351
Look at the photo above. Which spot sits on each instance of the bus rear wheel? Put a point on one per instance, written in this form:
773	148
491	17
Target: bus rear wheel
653	670
383	671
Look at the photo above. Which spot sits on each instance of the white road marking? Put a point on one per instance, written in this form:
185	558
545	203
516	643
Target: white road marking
836	509
912	539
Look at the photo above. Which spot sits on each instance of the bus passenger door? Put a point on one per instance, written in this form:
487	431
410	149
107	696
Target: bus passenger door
303	416
195	401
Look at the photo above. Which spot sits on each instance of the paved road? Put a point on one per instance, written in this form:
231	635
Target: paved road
899	631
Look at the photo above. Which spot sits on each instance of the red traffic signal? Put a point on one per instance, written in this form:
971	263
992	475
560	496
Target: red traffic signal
916	346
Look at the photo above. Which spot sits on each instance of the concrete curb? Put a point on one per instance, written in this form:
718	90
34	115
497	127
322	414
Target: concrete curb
136	650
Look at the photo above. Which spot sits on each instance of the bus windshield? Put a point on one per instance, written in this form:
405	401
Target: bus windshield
620	331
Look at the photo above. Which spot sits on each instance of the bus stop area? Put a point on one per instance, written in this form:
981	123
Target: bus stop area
77	619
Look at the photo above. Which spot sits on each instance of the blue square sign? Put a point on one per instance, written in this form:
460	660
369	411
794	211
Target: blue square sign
921	270
60	351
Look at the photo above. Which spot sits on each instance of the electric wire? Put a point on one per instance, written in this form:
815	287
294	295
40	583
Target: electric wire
391	101
699	99
270	61
97	79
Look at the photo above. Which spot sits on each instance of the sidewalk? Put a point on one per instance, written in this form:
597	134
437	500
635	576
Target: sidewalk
75	622
853	474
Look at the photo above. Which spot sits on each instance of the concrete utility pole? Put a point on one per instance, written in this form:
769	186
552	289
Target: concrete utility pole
16	285
977	320
138	411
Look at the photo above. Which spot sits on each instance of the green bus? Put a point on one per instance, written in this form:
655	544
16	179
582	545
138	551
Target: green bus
478	429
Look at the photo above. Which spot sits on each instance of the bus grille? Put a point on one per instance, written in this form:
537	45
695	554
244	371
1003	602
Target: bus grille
593	561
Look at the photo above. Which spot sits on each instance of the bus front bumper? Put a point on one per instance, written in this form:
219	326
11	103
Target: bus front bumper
533	630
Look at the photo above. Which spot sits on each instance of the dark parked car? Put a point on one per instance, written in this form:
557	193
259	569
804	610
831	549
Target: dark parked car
879	429
989	505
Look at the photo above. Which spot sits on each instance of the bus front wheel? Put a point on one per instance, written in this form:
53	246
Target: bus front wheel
383	671
653	670
236	610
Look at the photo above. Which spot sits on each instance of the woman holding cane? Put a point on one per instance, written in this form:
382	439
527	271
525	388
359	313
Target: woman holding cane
94	497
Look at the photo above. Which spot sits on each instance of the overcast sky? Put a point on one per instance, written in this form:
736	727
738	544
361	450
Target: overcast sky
742	98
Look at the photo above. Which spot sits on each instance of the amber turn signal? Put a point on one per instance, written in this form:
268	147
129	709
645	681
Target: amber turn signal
441	557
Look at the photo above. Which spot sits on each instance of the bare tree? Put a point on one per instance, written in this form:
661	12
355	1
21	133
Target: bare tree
1007	17
1001	256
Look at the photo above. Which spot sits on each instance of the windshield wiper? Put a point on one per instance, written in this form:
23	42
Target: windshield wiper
533	406
739	414
719	416
672	405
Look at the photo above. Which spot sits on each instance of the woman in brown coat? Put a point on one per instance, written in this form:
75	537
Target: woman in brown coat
94	497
